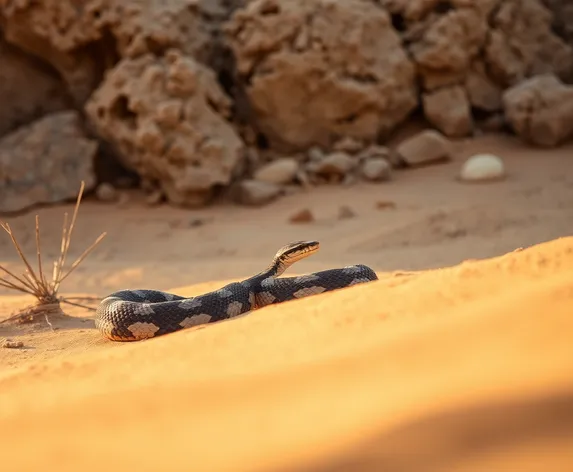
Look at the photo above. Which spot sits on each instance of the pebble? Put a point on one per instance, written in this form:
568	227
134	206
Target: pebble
282	171
376	169
257	193
302	216
335	164
482	167
348	144
385	205
105	192
315	154
428	146
9	344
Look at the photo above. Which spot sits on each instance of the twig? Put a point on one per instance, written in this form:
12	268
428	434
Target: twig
36	284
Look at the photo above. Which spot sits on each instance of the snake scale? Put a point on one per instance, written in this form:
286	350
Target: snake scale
133	315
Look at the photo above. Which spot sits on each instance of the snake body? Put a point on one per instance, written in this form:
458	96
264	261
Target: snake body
133	315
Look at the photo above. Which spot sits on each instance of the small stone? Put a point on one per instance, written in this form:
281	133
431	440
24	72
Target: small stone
426	147
315	154
302	216
348	145
9	344
336	164
482	167
385	205
377	169
281	171
256	193
105	192
345	212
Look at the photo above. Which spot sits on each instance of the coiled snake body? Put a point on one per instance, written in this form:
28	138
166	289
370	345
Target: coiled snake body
133	315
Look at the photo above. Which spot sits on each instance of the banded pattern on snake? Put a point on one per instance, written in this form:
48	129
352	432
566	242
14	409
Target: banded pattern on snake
133	315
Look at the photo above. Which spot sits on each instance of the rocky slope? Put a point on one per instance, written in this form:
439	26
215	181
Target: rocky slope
196	96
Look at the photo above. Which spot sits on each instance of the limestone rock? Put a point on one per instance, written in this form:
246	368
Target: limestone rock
448	109
81	42
522	43
482	168
315	70
540	110
257	193
45	162
166	118
336	164
426	147
281	171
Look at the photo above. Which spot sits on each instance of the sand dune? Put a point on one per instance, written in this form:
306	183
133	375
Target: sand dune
467	368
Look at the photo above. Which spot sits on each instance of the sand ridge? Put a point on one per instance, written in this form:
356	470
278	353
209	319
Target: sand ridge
316	376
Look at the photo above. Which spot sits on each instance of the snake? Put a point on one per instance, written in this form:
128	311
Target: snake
135	315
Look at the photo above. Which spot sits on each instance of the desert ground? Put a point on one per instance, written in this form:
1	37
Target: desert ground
458	358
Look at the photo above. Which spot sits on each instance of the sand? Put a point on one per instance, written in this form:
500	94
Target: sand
458	358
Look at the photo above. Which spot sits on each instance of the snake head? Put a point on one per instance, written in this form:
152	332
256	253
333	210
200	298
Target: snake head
296	251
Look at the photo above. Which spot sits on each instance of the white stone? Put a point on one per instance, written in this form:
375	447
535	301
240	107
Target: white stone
482	167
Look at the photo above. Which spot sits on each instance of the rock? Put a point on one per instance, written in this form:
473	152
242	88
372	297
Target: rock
426	147
562	18
9	344
337	164
385	205
374	151
482	167
315	71
483	93
345	212
281	171
166	117
302	216
444	44
80	43
315	154
376	169
256	193
348	145
27	90
105	192
448	109
540	110
45	162
522	44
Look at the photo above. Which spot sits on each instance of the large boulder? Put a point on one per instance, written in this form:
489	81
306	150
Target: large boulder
540	110
316	70
166	117
81	40
44	162
27	89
